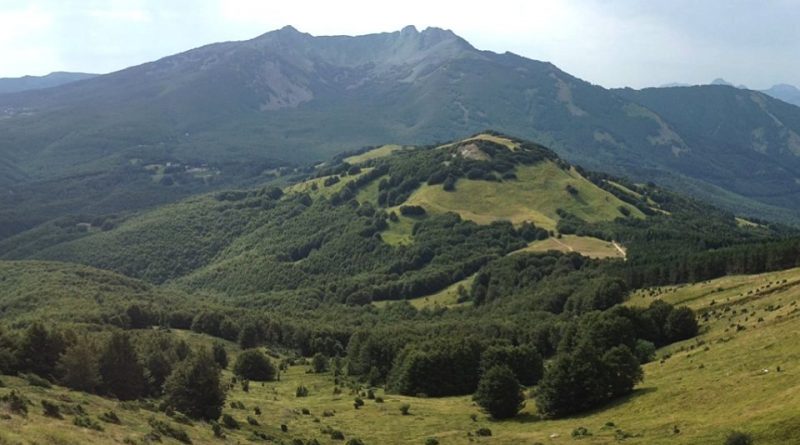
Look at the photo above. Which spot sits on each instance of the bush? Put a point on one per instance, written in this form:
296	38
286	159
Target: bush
499	393
358	402
35	380
431	441
738	438
110	417
252	421
229	422
319	363
301	391
412	210
17	403
581	432
51	409
86	422
254	365
355	441
165	429
217	429
483	432
220	355
404	409
337	435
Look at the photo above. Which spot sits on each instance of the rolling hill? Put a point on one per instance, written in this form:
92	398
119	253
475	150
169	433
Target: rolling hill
238	111
25	83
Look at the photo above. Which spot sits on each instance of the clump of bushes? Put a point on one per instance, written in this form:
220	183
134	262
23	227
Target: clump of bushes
165	429
51	409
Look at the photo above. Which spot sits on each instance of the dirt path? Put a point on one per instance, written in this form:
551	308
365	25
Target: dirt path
620	250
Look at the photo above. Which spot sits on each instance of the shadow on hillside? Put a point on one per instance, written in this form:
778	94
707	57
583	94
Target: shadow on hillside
529	417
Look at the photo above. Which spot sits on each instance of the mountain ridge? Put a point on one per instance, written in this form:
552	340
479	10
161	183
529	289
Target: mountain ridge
243	109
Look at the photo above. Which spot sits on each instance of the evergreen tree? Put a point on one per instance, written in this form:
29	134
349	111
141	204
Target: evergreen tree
319	363
499	392
79	366
220	355
122	373
254	365
39	350
194	387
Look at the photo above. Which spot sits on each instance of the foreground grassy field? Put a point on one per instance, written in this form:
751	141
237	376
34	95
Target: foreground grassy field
742	372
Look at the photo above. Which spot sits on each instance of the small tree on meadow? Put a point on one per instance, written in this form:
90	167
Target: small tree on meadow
499	393
194	387
79	366
122	373
254	365
220	355
319	363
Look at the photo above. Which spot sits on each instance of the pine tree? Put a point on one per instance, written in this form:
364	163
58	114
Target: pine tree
79	366
194	387
122	373
39	350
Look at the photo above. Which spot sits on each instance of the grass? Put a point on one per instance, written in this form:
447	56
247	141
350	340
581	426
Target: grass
700	390
399	232
508	143
535	196
379	152
585	245
447	297
321	190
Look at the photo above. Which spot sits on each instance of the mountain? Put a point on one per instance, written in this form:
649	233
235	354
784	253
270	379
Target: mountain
238	113
787	93
25	83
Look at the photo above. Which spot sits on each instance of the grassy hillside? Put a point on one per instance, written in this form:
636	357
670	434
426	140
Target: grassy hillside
64	292
694	392
535	196
585	245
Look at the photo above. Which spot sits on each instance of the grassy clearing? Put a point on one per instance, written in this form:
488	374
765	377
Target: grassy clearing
379	152
399	232
508	143
585	245
447	297
315	187
535	196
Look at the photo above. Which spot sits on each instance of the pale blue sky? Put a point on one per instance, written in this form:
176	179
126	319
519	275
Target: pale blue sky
611	43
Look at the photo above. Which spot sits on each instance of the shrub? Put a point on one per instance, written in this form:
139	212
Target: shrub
738	438
301	391
229	422
17	403
431	441
483	432
254	365
355	441
86	422
337	435
35	380
217	429
220	355
252	421
358	402
581	432
404	409
165	429
51	409
110	417
319	363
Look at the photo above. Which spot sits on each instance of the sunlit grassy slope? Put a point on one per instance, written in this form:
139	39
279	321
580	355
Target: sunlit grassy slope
379	152
535	196
585	245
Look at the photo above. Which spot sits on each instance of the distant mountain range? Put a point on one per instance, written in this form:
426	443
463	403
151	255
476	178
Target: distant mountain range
25	83
234	112
787	93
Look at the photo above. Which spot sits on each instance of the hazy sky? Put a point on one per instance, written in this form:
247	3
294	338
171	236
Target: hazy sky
612	43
